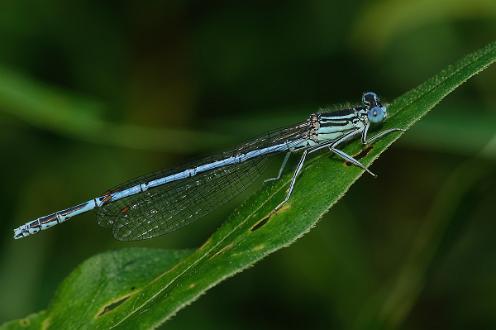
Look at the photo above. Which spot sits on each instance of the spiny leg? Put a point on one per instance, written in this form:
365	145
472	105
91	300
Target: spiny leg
332	147
365	141
283	165
380	135
352	160
293	180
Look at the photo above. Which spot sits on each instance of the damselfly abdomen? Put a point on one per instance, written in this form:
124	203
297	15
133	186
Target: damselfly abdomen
164	201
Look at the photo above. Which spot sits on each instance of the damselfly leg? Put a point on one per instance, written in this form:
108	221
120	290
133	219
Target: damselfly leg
332	146
281	169
352	160
293	179
379	136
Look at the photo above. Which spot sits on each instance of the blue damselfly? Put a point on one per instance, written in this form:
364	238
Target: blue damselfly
164	201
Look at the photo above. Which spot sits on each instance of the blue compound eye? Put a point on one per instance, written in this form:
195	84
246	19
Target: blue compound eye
377	115
370	98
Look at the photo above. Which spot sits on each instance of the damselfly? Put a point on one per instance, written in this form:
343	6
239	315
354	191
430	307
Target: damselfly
168	200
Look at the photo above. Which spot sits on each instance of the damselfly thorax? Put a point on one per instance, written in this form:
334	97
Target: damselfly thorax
164	201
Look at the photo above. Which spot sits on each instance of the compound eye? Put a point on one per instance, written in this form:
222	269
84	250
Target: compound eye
370	98
377	114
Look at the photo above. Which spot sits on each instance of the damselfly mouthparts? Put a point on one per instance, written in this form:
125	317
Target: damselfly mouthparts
168	200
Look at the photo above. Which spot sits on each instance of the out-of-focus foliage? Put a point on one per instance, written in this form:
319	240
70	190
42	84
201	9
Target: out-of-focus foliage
392	19
184	68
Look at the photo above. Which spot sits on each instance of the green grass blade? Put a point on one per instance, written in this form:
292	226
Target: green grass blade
252	232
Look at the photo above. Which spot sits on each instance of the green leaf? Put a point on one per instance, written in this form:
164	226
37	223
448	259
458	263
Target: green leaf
33	321
99	285
249	235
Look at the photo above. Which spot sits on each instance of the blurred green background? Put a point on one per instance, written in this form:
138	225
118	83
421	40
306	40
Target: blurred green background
93	93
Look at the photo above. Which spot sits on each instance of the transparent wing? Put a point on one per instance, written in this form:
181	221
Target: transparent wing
172	206
169	207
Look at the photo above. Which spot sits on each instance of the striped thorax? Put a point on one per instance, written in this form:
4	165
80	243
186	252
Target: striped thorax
350	122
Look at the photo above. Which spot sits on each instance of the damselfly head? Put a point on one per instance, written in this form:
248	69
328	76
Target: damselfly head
376	112
370	99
